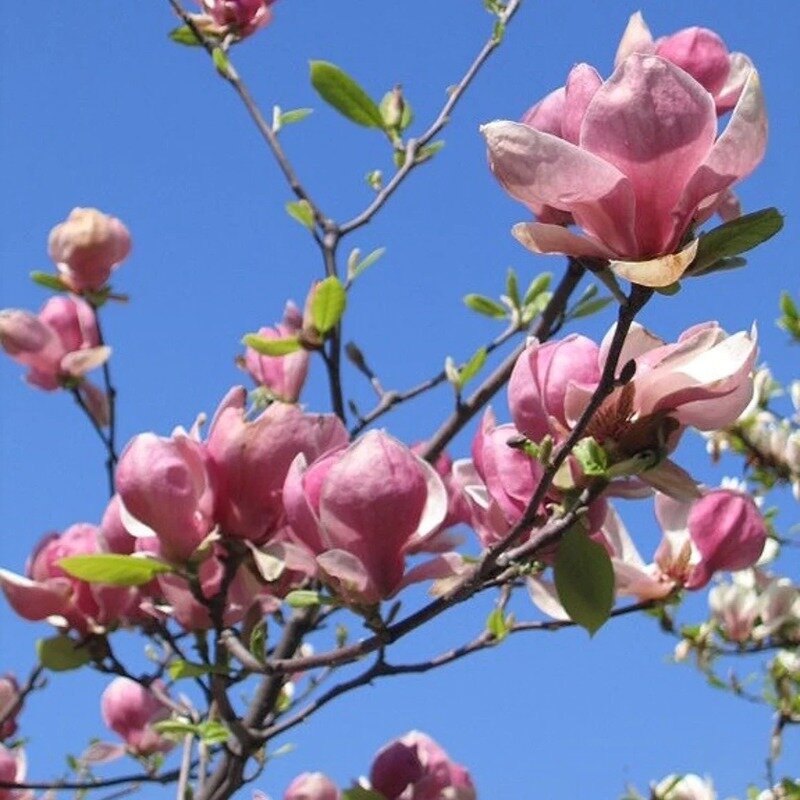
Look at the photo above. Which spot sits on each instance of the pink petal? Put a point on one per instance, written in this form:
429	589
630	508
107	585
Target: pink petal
539	237
582	85
728	96
635	39
700	52
657	125
537	168
657	272
33	600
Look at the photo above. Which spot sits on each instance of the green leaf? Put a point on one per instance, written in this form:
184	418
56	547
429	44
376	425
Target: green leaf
186	669
339	90
540	284
328	304
184	35
295	115
735	237
498	624
114	569
213	732
355	266
788	306
473	366
360	793
591	456
175	728
272	347
485	305
258	641
61	654
49	281
669	291
428	152
587	308
303	598
512	288
300	211
221	62
584	580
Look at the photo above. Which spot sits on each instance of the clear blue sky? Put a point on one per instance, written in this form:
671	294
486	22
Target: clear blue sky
100	109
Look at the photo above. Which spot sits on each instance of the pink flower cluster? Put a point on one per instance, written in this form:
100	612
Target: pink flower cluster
61	344
635	160
413	767
238	17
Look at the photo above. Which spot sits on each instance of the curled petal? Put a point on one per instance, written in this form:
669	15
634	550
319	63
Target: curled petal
657	272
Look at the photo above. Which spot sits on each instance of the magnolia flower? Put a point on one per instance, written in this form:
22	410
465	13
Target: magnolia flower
10	706
240	17
312	786
249	461
59	346
414	767
361	510
699	51
13	768
87	247
47	592
686	787
637	163
284	376
129	709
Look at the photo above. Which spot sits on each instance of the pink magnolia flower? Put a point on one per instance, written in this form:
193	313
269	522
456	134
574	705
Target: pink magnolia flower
735	608
12	770
414	767
703	380
10	706
59	346
637	162
722	530
165	491
698	51
87	247
129	709
47	592
285	375
249	461
686	787
312	786
241	17
361	509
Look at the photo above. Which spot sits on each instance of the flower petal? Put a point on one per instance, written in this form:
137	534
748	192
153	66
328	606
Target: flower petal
657	272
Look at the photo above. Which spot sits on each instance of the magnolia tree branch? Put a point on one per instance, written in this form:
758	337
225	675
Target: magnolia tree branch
547	324
414	146
111	397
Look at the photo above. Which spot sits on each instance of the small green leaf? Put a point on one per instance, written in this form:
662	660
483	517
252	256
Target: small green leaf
221	62
539	285
300	211
485	305
186	669
584	580
342	92
328	304
52	282
498	624
258	641
272	347
114	569
303	598
586	309
428	152
473	366
213	732
355	266
184	35
175	728
591	456
61	654
788	306
735	237
360	793
512	288
295	115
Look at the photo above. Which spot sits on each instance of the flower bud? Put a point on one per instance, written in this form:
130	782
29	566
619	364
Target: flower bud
10	706
129	709
87	247
312	786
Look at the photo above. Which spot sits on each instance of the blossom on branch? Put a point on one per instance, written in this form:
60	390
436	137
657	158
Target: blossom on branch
312	786
637	162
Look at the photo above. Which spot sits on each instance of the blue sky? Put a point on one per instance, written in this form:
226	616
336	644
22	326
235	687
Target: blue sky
100	109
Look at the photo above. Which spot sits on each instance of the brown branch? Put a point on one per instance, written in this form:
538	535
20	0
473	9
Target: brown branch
414	146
